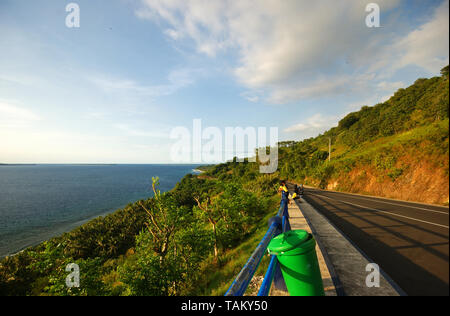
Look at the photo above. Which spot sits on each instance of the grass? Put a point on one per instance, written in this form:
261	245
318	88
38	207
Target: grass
419	136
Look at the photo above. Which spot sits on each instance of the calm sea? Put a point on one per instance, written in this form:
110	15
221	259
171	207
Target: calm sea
38	202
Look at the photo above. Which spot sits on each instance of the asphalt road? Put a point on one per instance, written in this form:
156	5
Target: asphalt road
409	241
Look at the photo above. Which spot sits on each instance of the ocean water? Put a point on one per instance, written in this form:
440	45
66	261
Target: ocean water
38	202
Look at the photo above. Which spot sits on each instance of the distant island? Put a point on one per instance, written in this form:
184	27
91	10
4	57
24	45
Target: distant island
17	164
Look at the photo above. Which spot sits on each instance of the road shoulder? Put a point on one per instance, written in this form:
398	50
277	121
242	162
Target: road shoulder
297	221
347	263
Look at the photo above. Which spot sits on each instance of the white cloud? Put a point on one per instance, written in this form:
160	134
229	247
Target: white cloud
427	46
287	48
312	126
177	79
390	86
13	113
331	86
252	96
381	92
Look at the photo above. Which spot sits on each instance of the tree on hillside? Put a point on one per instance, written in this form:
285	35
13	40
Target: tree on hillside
212	218
230	213
444	71
164	219
348	121
169	252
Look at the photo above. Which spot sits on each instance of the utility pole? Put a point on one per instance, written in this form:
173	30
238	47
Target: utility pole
329	149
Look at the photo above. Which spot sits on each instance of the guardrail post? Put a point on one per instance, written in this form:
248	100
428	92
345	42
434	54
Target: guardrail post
278	280
268	278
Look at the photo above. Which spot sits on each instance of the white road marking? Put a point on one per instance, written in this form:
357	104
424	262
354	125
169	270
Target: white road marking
381	211
403	205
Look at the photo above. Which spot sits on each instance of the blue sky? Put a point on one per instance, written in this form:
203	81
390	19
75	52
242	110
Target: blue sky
112	90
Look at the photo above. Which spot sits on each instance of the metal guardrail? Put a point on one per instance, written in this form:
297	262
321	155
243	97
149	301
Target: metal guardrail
268	278
278	224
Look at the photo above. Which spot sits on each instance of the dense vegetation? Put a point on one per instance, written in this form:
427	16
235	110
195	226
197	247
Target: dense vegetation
160	246
194	239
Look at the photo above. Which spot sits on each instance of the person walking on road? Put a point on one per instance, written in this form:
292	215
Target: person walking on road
296	194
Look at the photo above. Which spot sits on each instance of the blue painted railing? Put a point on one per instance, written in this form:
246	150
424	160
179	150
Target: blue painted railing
278	224
268	278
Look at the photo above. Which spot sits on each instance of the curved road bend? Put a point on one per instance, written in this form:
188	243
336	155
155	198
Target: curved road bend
409	241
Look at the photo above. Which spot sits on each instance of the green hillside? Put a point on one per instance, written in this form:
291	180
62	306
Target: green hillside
397	149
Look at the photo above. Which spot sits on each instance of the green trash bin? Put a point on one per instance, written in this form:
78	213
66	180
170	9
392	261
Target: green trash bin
296	252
